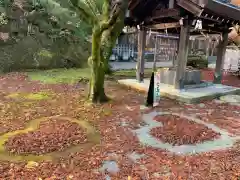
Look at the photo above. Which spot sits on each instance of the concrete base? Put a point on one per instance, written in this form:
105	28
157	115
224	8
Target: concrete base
132	65
191	95
167	76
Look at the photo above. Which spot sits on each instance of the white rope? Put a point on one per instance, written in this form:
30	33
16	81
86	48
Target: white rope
149	37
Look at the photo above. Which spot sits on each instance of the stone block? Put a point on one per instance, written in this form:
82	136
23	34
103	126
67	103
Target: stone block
191	76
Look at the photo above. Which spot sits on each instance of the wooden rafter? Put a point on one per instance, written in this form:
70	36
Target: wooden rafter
165	26
190	6
132	4
210	12
163	13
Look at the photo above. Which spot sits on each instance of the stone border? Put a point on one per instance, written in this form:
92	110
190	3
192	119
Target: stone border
186	95
230	99
92	136
144	136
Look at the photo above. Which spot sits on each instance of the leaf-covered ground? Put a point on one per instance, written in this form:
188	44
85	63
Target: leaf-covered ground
228	78
52	135
180	131
114	141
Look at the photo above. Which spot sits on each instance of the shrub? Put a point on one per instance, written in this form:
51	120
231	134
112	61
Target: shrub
29	53
197	61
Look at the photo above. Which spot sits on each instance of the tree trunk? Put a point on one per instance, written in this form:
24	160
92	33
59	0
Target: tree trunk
102	45
108	43
104	37
96	87
109	38
96	62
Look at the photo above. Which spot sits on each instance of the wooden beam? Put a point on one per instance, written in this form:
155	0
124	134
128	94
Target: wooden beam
182	55
190	6
163	13
132	4
171	4
141	52
176	59
207	47
220	58
225	11
164	26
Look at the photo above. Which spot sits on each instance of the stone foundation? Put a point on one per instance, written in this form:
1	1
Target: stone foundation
190	93
192	77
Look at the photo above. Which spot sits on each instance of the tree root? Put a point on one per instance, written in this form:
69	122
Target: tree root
99	99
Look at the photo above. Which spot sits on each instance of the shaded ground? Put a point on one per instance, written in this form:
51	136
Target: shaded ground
113	144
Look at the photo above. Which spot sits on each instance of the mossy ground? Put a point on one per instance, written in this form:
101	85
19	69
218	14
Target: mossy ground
57	76
31	96
71	76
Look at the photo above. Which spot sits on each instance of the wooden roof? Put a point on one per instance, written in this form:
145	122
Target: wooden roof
164	14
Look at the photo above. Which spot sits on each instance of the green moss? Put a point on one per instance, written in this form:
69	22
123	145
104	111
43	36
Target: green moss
31	96
93	138
132	73
57	76
71	76
37	96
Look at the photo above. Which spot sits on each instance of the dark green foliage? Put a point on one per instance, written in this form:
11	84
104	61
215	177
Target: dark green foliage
197	61
38	39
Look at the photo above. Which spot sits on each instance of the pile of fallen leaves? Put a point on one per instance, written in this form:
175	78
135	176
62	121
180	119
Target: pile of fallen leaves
227	78
178	131
52	135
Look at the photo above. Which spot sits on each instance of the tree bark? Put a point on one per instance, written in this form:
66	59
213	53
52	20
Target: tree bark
109	38
104	37
96	62
102	45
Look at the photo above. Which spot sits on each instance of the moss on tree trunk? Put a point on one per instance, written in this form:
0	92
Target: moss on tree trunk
96	87
104	38
109	39
96	62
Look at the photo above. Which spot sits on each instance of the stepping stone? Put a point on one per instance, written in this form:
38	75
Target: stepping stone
134	156
107	177
110	167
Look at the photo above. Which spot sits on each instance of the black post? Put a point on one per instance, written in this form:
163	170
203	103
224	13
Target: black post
149	101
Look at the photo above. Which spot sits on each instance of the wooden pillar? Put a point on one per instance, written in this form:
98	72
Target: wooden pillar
207	47
171	4
220	58
182	55
176	55
141	52
190	47
155	54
